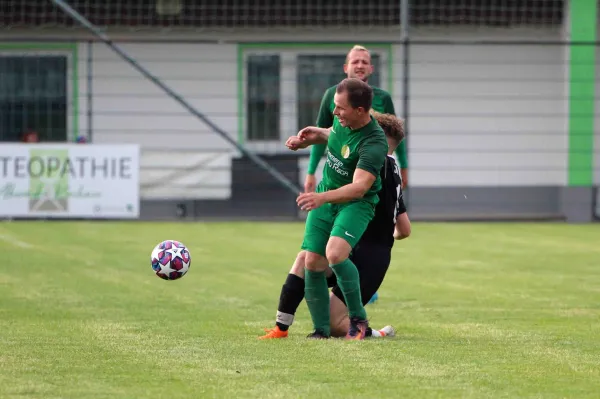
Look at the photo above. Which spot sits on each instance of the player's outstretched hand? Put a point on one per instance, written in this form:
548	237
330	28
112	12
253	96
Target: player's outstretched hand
309	201
294	143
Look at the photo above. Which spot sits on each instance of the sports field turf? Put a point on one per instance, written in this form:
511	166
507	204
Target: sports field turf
482	310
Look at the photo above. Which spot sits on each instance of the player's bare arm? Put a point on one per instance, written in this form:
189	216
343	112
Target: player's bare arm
402	228
314	135
308	136
361	183
404	174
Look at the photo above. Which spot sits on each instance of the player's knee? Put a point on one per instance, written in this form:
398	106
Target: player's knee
299	264
314	262
337	250
338	317
336	256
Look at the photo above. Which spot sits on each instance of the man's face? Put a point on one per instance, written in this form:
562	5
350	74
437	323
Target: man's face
358	65
346	115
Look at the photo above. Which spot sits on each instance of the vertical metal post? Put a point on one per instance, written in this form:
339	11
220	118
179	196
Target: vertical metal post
405	39
90	78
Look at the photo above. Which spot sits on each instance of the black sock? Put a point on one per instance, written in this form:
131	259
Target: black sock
292	294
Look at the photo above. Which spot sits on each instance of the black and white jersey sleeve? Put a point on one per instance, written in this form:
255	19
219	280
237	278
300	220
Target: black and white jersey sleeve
400	206
391	204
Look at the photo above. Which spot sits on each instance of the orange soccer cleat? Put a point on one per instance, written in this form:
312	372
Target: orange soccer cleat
274	333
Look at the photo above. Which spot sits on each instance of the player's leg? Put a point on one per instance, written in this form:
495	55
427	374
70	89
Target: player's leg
372	262
402	230
340	322
373	299
349	226
292	294
318	227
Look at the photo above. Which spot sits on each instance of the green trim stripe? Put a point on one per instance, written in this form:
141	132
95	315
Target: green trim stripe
240	94
75	91
345	46
582	68
72	49
390	56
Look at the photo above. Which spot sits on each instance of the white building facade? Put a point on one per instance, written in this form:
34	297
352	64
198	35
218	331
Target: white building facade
488	107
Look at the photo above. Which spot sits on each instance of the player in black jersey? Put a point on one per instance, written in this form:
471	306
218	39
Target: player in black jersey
371	256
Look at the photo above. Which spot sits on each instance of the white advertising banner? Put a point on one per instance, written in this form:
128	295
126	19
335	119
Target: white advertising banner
69	181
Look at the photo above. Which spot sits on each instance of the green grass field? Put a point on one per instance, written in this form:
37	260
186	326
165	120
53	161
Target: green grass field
482	310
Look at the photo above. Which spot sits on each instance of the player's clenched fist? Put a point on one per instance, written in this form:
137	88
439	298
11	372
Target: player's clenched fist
308	136
310	201
294	143
313	135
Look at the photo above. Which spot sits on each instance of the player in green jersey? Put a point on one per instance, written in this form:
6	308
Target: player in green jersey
343	204
358	65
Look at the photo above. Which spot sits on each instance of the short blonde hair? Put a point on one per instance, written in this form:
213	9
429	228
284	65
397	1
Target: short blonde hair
357	47
392	126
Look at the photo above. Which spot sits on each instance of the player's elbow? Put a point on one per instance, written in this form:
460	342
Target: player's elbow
361	188
359	192
403	228
401	234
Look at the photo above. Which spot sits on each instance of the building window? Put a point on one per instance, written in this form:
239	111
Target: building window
263	97
315	74
33	97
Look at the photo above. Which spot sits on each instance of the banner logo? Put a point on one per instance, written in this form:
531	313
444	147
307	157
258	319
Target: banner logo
48	187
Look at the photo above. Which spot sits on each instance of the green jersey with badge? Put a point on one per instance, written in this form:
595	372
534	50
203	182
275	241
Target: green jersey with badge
347	150
382	102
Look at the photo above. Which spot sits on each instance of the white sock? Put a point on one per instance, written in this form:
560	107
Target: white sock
284	318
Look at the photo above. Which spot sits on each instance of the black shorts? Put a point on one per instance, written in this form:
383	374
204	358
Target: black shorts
372	261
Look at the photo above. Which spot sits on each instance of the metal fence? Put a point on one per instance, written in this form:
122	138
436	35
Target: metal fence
498	97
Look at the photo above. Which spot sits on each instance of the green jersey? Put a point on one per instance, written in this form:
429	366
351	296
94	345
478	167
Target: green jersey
348	150
382	102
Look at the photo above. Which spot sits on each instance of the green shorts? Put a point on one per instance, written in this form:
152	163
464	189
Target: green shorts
348	221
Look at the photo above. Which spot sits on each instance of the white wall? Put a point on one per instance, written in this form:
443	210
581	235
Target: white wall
480	115
487	115
181	156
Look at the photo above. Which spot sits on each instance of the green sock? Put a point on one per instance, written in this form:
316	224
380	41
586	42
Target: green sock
349	283
317	299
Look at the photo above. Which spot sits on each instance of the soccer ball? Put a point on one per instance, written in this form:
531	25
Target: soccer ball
170	260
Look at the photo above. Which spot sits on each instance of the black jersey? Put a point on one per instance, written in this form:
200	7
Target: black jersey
391	204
